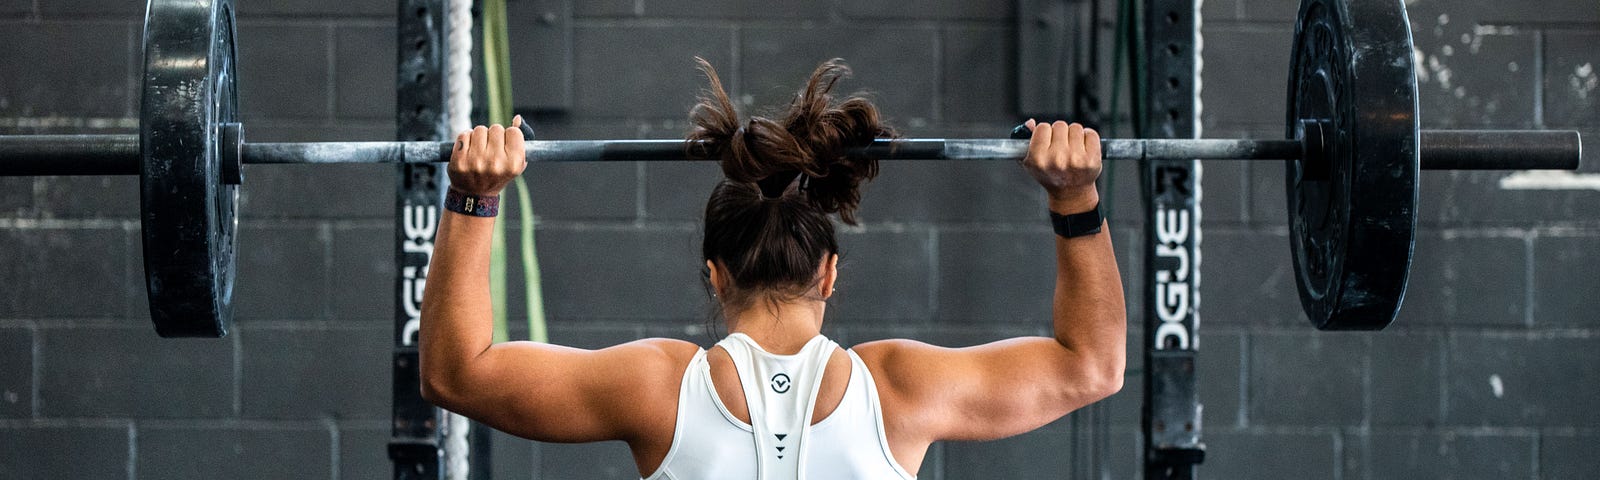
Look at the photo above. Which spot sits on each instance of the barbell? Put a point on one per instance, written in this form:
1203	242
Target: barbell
1353	154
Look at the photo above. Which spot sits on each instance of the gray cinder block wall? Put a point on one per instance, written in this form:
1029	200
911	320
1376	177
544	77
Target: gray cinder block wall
1489	373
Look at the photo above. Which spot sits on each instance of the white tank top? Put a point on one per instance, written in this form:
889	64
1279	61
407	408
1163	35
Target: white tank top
780	443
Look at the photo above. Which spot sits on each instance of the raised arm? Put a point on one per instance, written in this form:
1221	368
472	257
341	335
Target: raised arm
1013	386
535	390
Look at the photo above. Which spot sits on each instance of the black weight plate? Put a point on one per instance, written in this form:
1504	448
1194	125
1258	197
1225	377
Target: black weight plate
189	213
1352	219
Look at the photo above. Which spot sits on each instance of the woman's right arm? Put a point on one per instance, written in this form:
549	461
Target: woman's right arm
1016	385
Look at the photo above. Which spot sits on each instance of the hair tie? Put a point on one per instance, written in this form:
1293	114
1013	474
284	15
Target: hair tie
783	183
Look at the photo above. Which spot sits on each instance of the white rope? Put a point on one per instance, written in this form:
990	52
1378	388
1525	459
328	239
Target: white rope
1199	107
458	84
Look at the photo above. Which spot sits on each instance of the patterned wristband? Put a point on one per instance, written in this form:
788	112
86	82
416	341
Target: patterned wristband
469	204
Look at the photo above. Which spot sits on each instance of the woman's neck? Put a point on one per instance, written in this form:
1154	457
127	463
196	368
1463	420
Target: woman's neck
782	328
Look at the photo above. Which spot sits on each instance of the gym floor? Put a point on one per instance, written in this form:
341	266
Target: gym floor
1489	371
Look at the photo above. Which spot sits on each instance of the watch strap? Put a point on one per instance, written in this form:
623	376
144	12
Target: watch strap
469	204
1077	224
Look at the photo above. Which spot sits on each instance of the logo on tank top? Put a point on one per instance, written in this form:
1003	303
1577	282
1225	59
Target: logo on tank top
780	383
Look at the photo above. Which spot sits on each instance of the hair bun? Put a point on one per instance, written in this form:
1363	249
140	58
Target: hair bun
814	139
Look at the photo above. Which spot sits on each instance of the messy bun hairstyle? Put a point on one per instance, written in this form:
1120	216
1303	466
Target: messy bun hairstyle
768	221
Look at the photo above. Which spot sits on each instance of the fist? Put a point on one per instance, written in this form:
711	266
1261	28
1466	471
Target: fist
1065	159
485	159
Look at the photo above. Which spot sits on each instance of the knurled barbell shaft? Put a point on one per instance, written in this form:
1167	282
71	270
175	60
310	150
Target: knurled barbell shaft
26	155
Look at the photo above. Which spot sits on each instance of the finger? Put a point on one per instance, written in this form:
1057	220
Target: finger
480	138
516	121
1030	123
1040	143
1059	135
462	139
1075	139
1091	143
514	146
496	140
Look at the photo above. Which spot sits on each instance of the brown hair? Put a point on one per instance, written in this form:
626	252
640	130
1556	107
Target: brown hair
767	222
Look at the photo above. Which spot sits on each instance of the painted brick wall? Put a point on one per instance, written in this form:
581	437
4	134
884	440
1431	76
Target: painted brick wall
1488	374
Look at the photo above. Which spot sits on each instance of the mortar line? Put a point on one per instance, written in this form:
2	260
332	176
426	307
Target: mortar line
333	447
132	465
37	371
1528	280
1538	78
1244	381
238	374
332	100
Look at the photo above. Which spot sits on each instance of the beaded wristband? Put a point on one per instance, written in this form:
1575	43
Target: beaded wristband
469	204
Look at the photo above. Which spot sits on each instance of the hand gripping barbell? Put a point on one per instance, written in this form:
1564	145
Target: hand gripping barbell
1352	157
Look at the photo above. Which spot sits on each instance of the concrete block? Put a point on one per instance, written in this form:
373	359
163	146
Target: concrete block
49	451
283	71
1307	378
1407	374
1448	455
1037	454
283	273
898	65
76	272
94	83
1236	91
1220	374
586	191
89	197
16	378
76	10
1247	278
364	453
133	373
582	461
1567	457
315	372
1249	454
620	273
1471	77
364	72
322	191
1521	380
317	9
953	192
718	9
234	452
1571	84
972	264
679	190
979	81
650	76
1466	281
1563	279
363	272
930	10
868	260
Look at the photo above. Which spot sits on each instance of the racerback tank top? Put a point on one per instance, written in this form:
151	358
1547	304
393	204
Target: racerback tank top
779	443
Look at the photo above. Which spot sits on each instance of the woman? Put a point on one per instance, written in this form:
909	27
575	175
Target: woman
775	399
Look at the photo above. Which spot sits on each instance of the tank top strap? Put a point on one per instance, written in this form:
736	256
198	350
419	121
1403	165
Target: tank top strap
781	393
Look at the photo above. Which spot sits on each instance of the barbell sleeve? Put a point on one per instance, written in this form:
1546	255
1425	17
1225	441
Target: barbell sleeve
29	155
1501	149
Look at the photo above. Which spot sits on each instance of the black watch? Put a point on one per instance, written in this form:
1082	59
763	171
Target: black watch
1077	224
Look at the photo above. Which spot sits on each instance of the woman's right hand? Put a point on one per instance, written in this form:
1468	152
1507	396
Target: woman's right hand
485	159
1065	159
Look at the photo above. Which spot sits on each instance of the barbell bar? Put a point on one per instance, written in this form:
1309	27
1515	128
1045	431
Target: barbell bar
32	155
1352	151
